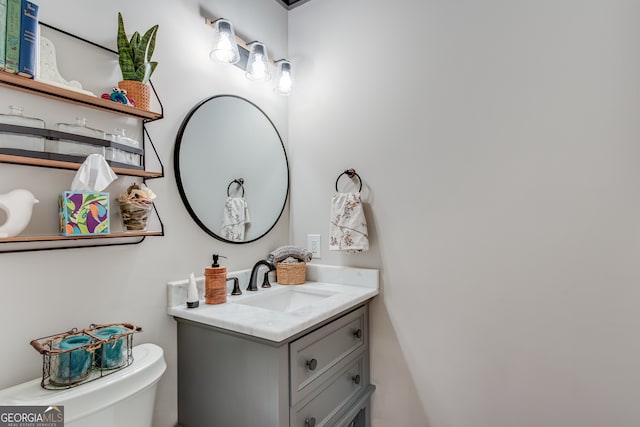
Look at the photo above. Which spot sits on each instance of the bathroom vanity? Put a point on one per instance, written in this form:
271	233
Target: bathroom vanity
286	356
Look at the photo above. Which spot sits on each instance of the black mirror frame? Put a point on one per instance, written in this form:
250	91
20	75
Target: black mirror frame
176	169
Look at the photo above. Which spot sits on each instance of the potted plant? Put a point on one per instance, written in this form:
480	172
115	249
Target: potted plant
134	56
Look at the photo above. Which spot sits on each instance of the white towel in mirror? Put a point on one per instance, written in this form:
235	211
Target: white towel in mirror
235	219
348	228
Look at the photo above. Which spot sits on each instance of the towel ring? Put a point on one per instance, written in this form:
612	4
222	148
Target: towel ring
240	182
350	173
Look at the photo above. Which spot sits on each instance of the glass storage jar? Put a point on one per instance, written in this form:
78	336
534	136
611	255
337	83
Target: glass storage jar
75	148
21	141
122	156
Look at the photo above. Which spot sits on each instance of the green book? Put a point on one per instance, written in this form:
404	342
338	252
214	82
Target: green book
3	31
12	54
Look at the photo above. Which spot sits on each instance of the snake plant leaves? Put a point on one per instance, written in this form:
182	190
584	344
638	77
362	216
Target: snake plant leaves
135	54
142	55
144	71
147	45
135	40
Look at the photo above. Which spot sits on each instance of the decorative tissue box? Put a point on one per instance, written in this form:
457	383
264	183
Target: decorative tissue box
83	213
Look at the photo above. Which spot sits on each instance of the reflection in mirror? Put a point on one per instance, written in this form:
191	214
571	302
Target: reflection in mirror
231	169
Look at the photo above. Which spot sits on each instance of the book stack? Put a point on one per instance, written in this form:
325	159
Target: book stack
18	37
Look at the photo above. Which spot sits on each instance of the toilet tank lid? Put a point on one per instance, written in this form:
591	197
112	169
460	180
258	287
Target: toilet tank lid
147	368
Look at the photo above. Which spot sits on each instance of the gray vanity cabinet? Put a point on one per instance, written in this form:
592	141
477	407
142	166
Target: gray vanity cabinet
319	377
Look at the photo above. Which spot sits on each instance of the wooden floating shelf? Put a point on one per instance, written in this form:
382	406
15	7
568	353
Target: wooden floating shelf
24	84
52	238
70	162
32	161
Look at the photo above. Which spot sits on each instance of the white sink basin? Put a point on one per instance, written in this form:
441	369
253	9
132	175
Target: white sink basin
282	311
286	300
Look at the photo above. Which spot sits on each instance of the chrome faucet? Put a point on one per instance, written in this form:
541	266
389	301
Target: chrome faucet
253	281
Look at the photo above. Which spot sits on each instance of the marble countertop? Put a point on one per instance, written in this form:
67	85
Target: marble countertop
345	288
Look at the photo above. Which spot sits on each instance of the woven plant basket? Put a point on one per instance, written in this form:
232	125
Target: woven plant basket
291	273
135	215
138	91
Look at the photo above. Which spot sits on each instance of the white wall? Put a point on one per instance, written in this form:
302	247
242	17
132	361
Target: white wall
49	292
498	141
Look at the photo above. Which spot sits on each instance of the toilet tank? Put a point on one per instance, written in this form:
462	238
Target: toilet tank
122	399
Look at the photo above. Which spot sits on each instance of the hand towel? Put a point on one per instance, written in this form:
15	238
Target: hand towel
348	228
235	219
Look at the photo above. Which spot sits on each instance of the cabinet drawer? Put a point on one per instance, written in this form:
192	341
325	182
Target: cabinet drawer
318	352
356	412
318	408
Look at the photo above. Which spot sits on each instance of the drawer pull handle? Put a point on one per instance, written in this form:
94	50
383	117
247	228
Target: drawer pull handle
312	364
357	333
310	422
356	379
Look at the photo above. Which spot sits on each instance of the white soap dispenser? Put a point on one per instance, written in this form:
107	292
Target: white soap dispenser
192	292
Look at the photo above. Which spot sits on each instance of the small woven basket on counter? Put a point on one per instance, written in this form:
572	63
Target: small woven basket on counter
291	273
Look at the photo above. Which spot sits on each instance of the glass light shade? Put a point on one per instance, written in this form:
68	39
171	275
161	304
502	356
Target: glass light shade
225	48
258	63
284	78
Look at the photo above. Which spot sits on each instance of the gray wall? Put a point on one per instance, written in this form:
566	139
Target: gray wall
498	141
49	292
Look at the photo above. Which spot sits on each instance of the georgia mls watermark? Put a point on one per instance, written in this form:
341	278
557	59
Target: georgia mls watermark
31	416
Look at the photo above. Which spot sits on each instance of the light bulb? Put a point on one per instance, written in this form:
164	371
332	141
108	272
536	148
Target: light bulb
258	70
284	82
225	49
284	85
257	65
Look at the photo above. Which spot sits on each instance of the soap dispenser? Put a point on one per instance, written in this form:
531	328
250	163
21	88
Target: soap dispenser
215	282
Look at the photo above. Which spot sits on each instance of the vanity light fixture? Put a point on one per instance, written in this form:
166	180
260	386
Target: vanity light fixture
225	47
251	57
258	63
284	78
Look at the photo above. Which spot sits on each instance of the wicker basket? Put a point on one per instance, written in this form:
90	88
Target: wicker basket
107	349
138	91
291	273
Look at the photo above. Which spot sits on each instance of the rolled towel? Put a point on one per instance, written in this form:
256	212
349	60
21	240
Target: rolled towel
348	228
285	252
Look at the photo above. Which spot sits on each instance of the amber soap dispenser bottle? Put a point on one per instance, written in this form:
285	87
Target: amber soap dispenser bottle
215	282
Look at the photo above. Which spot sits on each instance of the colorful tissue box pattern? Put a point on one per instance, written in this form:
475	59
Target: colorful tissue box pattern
83	213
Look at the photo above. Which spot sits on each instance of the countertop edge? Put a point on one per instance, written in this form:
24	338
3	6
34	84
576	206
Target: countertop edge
255	331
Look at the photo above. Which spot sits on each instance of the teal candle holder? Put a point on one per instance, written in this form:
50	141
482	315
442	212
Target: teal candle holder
72	365
109	355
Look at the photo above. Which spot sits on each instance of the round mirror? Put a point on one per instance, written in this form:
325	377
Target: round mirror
231	168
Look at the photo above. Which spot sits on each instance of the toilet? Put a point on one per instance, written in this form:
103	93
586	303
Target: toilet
122	399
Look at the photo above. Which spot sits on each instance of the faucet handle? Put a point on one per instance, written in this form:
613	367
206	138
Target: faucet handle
236	286
265	282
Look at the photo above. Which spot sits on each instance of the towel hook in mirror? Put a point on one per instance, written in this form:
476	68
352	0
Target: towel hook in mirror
240	182
350	173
